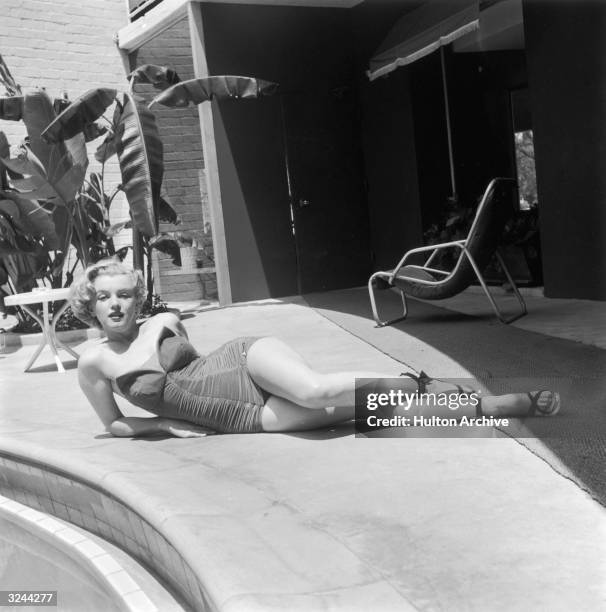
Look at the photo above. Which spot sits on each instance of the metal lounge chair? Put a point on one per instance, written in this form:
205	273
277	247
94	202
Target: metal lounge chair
475	252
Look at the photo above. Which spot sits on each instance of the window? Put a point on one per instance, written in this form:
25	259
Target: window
527	178
524	148
138	8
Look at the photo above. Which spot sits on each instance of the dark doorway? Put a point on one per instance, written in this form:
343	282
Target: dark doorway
329	205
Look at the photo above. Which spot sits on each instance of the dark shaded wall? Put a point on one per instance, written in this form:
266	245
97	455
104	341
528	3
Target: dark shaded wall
254	198
307	51
566	70
430	137
250	151
391	168
388	132
483	141
479	86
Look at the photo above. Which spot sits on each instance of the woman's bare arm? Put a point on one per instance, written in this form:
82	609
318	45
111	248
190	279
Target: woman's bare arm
97	388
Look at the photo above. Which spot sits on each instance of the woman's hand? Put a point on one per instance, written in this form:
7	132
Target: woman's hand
183	429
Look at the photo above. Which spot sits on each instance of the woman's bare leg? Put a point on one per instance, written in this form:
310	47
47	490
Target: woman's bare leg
282	415
281	371
299	392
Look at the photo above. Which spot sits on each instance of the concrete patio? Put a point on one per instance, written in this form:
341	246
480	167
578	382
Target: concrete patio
317	521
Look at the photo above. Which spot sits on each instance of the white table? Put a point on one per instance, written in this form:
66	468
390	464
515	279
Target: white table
47	322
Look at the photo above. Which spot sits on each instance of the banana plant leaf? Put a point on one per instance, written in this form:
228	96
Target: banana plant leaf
116	228
11	108
38	112
77	148
60	104
224	87
161	77
23	268
35	188
94	130
31	219
64	172
82	111
106	149
141	157
8	207
95	185
167	244
94	201
94	191
8	241
25	163
6	78
62	219
123	252
14	242
13	247
82	239
29	183
5	151
93	209
167	213
61	190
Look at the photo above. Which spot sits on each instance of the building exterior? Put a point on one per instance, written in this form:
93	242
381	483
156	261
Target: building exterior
337	175
70	47
368	162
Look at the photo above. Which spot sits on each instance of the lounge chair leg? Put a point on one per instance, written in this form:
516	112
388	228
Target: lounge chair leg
491	299
516	291
373	304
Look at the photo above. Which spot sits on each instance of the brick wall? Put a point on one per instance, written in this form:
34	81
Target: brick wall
65	45
184	183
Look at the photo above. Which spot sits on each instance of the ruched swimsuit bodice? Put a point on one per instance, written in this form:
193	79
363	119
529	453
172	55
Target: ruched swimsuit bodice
214	391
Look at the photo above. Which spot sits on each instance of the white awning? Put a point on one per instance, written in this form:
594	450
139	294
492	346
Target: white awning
422	31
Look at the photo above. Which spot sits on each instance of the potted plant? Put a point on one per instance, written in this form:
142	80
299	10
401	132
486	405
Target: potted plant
520	242
188	249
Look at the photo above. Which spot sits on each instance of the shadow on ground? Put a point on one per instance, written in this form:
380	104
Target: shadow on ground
504	359
72	364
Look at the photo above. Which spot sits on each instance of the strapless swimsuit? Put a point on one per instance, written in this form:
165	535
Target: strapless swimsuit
214	391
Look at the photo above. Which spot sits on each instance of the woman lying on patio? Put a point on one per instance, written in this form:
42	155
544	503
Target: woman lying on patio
247	385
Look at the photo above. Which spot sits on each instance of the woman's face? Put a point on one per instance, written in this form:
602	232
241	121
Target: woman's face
115	303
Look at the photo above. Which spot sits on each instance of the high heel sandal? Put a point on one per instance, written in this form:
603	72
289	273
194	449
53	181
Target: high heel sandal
534	409
423	380
550	410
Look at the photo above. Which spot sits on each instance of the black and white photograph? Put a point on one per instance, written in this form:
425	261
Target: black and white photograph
302	305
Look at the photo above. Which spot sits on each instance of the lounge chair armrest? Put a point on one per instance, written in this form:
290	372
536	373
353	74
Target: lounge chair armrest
431	248
426	268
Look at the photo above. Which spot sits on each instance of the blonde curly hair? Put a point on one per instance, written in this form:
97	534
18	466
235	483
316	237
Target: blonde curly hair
83	290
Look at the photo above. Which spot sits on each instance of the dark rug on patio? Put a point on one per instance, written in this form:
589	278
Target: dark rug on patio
504	359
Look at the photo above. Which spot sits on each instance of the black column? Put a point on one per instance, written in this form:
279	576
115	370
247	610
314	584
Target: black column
566	55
